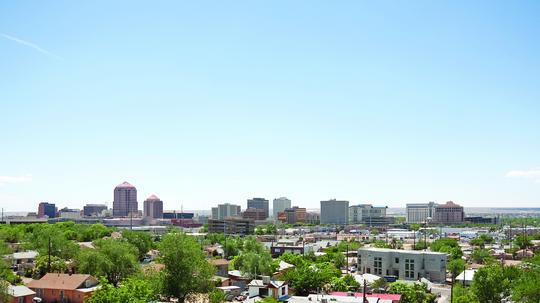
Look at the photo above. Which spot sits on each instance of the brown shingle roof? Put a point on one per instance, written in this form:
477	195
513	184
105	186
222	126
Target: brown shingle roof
218	262
60	281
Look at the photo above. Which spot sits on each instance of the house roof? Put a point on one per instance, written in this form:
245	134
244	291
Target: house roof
218	262
393	297
20	291
59	281
31	254
272	284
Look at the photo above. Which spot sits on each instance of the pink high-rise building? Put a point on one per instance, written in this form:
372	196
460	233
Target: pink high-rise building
153	207
125	200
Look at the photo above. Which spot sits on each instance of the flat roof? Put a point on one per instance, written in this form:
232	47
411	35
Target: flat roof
401	251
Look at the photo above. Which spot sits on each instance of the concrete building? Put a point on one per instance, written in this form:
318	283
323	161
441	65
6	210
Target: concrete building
46	209
153	207
313	218
94	210
173	214
125	200
404	264
226	210
449	213
369	215
231	226
259	203
279	205
293	215
254	214
420	212
67	213
334	212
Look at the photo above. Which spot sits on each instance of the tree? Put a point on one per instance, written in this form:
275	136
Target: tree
308	278
438	244
216	296
412	293
114	259
51	238
482	240
253	264
58	265
526	288
492	282
463	295
380	283
481	256
186	269
132	290
140	240
456	266
522	241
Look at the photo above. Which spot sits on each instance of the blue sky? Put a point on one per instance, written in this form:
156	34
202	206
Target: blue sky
199	102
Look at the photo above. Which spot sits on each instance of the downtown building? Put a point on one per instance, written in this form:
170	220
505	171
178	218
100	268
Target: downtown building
231	226
125	200
226	210
293	215
279	205
334	212
259	203
94	210
420	212
46	209
153	207
369	215
449	213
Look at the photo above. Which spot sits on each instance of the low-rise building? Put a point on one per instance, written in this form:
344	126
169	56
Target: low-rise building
73	288
94	210
20	294
254	214
404	264
267	287
232	226
293	215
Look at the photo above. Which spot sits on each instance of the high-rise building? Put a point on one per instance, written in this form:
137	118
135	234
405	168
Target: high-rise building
253	214
125	200
334	212
226	210
94	210
259	203
449	213
420	212
293	215
279	205
153	207
369	215
46	209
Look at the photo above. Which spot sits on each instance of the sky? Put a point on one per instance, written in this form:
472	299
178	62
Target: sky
206	102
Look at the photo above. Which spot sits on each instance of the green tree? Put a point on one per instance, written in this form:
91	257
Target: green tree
412	293
140	240
456	266
253	264
482	240
526	288
216	296
51	238
492	282
131	290
439	244
462	294
58	265
308	278
522	241
114	259
380	283
481	256
186	269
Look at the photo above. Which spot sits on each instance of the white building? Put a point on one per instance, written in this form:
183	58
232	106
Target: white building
226	210
267	287
420	212
404	264
369	215
279	205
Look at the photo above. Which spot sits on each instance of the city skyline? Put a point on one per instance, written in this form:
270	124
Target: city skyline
380	103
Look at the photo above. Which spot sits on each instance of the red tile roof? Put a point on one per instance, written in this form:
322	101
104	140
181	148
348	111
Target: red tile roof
60	281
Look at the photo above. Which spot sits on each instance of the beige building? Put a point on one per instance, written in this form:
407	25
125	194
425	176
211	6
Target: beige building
449	213
125	200
153	207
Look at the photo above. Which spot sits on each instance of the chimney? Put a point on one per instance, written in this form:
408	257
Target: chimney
266	280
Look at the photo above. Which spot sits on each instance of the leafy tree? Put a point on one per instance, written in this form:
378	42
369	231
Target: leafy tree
463	295
337	284
53	238
140	240
381	244
481	256
131	290
308	278
216	296
482	240
412	293
522	241
269	300
526	288
253	264
456	266
420	245
186	269
114	259
380	283
438	244
58	265
492	282
294	259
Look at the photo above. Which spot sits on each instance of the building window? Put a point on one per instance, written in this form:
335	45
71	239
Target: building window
377	265
397	260
409	268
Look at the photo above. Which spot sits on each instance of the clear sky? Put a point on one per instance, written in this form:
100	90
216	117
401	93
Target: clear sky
382	102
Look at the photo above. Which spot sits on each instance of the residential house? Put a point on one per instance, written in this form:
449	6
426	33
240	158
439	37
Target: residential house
267	287
221	265
20	294
72	288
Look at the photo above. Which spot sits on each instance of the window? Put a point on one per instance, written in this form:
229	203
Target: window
377	265
409	268
397	260
21	299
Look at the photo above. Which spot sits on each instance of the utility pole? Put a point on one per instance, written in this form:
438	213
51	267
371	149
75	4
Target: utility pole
49	253
347	257
452	289
364	297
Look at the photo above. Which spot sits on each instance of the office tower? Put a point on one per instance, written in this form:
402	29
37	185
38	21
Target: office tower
420	212
125	200
369	215
279	205
334	212
259	203
46	209
153	207
94	210
448	213
293	215
226	210
253	214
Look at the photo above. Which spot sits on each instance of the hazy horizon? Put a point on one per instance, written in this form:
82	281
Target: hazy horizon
210	102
